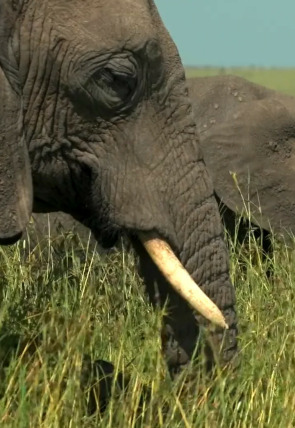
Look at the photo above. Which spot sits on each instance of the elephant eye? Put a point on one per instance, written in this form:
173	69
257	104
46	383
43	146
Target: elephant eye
113	88
106	87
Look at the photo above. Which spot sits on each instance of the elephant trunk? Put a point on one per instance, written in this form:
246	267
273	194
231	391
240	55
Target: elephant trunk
203	253
197	240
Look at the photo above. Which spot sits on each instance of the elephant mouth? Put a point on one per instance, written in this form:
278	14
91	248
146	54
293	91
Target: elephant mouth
171	268
106	240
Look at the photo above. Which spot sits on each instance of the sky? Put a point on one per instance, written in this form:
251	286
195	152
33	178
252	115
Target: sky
227	33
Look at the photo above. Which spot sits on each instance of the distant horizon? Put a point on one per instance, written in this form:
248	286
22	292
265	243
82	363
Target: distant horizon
228	34
255	67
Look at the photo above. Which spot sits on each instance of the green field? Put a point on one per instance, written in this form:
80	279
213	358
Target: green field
60	301
281	80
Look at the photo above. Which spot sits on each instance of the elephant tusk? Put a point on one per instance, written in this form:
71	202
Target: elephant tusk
172	269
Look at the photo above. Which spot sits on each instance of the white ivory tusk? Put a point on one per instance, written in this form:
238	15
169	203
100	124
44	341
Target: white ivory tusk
180	279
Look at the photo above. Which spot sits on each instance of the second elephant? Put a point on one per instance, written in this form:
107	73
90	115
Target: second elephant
247	134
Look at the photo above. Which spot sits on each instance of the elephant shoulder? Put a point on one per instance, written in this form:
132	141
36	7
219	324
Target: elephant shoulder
214	99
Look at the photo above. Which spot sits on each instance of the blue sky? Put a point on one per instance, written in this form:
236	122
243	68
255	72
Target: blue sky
232	32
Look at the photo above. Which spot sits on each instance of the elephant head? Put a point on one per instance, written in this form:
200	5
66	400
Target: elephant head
95	91
247	134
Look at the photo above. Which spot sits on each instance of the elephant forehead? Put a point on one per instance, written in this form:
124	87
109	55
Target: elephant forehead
106	21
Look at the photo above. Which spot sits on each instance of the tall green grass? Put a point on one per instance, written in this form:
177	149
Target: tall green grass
60	301
279	79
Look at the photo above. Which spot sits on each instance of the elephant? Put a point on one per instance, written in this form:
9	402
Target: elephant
96	122
247	135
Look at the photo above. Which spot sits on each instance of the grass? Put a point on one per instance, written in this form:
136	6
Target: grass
279	79
61	301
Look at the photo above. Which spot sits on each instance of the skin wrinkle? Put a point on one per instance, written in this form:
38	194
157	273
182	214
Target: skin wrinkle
40	98
56	118
31	52
188	179
206	252
208	284
25	60
145	160
171	148
36	104
128	32
57	93
176	111
206	238
187	170
177	148
107	172
205	206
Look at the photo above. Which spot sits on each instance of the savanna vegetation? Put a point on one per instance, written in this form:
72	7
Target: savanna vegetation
64	305
279	79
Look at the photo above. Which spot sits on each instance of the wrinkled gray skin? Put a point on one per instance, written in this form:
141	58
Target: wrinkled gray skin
95	92
247	131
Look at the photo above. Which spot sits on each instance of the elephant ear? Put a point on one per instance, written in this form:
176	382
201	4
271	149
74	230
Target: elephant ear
15	175
251	157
